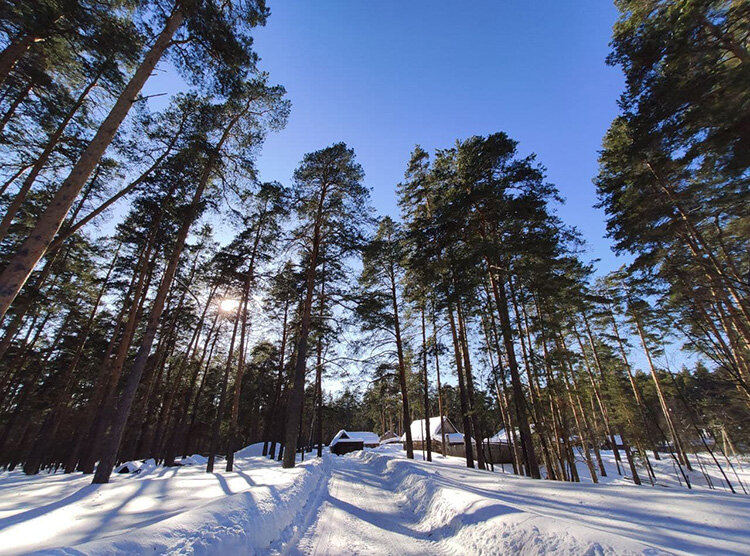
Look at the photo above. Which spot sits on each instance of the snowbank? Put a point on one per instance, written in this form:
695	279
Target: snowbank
247	522
167	510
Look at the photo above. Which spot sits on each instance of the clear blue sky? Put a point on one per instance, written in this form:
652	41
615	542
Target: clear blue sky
385	76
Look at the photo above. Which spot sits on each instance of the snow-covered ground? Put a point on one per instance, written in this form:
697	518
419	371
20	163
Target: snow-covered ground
705	475
372	502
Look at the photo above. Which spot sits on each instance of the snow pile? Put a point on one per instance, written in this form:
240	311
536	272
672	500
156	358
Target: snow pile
195	459
129	467
254	450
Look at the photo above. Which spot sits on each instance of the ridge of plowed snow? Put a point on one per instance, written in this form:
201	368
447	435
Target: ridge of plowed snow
381	504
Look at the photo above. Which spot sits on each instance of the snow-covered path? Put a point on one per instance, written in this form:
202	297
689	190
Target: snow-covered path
359	513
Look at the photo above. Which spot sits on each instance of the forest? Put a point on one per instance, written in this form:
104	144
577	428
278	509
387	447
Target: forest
159	298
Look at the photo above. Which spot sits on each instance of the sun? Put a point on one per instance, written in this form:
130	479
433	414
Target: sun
229	305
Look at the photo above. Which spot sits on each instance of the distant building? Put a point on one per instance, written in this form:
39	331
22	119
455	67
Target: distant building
454	440
389	437
499	447
350	441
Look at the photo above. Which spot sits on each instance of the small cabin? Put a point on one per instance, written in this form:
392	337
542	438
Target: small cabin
454	440
389	437
351	441
498	447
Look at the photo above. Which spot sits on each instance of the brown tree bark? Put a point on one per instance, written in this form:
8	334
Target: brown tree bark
457	349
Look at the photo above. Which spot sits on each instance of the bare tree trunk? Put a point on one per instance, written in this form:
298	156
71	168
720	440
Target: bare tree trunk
439	386
527	446
470	387
628	369
15	104
189	444
107	462
219	416
428	430
662	400
296	396
457	349
268	425
53	419
401	366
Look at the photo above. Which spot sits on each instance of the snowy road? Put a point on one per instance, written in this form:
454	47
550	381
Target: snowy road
360	514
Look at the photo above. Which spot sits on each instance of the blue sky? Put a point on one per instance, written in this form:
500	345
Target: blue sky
385	76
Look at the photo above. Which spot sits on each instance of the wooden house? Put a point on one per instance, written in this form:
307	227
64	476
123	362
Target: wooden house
389	437
454	440
350	441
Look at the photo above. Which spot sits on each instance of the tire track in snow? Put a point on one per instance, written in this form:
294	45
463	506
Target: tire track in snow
359	513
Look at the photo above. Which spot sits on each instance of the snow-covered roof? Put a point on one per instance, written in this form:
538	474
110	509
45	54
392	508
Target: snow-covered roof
365	436
391	440
418	431
355	436
500	437
389	437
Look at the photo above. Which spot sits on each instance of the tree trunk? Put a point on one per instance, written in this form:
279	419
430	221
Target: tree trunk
401	368
126	400
219	416
52	421
42	159
296	396
428	430
439	386
527	446
457	349
470	386
662	400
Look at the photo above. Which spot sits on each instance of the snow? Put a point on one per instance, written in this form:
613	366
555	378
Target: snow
367	502
364	436
668	474
500	437
367	438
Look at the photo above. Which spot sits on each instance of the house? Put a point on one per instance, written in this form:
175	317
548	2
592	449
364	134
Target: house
500	437
389	437
454	440
498	447
350	441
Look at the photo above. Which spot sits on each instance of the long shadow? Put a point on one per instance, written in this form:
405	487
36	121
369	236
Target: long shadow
41	510
223	483
394	523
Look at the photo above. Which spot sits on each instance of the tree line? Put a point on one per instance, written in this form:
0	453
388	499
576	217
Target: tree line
157	334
